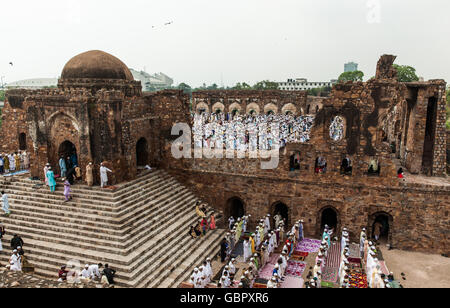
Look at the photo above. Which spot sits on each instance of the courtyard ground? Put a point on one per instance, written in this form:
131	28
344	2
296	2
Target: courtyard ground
421	270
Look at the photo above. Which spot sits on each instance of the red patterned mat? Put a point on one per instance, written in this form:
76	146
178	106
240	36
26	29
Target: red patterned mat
295	268
334	255
358	280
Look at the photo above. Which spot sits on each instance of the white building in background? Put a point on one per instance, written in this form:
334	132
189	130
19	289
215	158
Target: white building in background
33	84
302	84
151	82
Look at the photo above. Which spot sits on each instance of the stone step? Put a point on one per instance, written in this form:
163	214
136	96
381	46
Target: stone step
187	266
110	195
173	254
35	231
54	259
107	204
203	248
69	207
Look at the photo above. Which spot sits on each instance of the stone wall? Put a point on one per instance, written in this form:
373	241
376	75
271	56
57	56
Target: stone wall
418	213
448	152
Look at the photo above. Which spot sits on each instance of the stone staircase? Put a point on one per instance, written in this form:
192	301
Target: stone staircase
139	229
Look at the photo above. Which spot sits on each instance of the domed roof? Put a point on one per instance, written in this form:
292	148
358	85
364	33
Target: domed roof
96	64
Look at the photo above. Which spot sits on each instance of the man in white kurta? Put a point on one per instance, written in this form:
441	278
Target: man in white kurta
104	175
267	223
15	262
247	250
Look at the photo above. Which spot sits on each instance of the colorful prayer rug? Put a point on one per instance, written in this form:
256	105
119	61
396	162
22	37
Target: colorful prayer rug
334	255
358	280
308	245
300	253
295	268
330	274
274	259
266	272
292	283
326	284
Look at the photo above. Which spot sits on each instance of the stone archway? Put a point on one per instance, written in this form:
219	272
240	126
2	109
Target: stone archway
22	141
283	210
235	207
385	221
68	151
328	216
142	152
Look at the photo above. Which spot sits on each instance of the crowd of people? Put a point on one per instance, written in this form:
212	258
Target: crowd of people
258	249
90	273
250	132
14	162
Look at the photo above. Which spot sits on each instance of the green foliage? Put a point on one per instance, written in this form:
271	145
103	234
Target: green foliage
351	76
242	86
406	73
185	87
322	91
2	95
266	85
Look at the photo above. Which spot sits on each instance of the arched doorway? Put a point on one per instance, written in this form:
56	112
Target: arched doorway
281	209
329	218
68	150
235	208
381	224
142	152
22	142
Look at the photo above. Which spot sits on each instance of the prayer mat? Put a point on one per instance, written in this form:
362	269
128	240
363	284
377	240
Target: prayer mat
219	274
308	245
327	284
358	280
354	260
295	268
298	258
384	268
330	274
260	285
334	255
300	253
356	267
266	272
274	259
292	283
261	281
354	251
238	249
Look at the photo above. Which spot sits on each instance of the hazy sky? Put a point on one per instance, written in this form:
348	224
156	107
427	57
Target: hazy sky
237	40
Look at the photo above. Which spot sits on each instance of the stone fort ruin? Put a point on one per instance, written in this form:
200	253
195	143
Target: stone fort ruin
99	112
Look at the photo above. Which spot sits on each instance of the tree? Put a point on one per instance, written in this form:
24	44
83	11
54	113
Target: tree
266	85
2	95
406	73
351	76
185	87
242	86
322	91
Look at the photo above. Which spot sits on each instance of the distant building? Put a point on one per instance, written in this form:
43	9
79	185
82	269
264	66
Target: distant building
152	82
33	84
302	84
350	67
